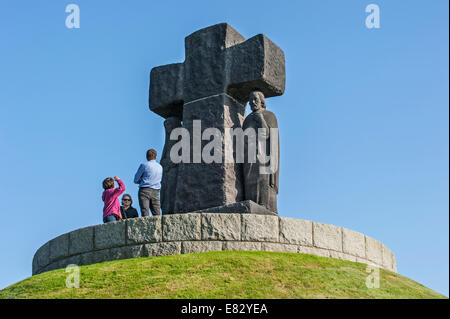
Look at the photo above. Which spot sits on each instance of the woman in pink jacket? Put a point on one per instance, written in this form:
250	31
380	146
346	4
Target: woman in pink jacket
111	210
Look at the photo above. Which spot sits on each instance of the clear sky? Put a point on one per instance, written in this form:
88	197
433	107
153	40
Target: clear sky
363	122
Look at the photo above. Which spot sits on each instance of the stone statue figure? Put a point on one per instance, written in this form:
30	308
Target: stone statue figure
261	183
170	169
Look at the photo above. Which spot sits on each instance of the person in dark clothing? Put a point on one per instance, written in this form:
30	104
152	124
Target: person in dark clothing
126	209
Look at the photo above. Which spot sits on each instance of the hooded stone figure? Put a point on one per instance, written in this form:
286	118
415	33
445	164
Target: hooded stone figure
170	169
261	171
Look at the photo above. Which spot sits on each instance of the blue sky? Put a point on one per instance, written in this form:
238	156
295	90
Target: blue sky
363	122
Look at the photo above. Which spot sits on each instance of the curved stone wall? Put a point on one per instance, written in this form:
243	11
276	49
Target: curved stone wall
201	232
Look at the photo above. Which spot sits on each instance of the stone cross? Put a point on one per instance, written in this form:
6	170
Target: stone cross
220	70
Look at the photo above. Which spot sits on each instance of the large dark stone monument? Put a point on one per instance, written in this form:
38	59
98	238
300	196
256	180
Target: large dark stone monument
213	85
229	203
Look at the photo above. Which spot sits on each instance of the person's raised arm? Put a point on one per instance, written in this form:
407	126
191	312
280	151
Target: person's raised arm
138	175
121	187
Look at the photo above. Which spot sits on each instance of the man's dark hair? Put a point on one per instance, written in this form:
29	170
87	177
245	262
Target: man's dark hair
151	154
108	183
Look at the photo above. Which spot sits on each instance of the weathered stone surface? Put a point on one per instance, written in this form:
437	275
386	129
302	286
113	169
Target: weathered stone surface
95	257
110	235
213	232
55	265
81	240
260	228
242	245
286	248
200	246
200	184
221	226
374	250
170	169
242	207
181	227
59	247
327	236
342	256
144	230
257	63
34	266
41	258
162	249
295	231
388	258
72	260
367	262
166	90
314	251
218	58
126	252
354	243
41	270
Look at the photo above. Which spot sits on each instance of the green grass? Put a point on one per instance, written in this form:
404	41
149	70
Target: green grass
225	274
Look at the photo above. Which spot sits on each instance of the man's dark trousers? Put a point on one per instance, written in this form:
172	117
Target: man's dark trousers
149	198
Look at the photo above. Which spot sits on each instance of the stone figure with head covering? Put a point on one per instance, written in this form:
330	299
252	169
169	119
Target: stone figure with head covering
261	171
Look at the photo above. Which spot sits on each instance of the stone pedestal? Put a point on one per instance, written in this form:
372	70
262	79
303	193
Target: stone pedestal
201	232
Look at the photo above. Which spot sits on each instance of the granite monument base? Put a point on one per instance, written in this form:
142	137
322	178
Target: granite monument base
202	232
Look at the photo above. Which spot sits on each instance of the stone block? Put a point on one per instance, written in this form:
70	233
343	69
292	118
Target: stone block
394	265
242	207
126	252
285	248
203	185
374	251
95	257
54	265
295	231
41	258
166	90
59	247
388	259
181	227
341	256
240	245
72	260
81	240
200	246
314	251
260	228
257	63
327	236
109	235
162	249
354	243
221	226
144	230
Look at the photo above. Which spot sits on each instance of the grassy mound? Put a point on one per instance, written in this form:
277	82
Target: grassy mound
225	274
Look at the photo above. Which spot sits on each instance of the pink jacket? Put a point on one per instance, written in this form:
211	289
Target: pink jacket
110	197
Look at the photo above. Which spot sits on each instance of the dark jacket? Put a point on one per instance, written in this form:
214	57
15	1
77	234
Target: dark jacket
131	212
